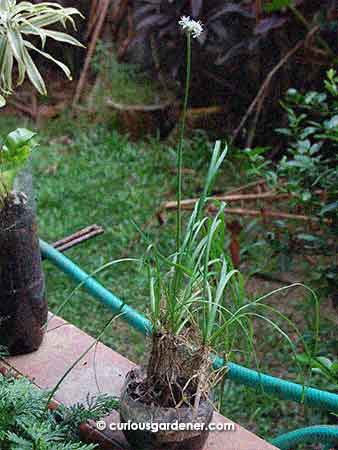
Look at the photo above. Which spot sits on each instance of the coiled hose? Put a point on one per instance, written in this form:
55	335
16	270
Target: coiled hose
285	390
324	434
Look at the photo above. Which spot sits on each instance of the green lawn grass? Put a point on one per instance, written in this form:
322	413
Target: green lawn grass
87	173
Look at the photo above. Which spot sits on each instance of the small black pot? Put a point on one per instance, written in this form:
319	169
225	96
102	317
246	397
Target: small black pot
23	306
137	412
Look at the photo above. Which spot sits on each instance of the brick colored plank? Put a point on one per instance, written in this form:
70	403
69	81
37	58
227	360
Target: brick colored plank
62	345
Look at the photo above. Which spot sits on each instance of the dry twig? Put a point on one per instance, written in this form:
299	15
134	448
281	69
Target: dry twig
190	202
253	184
264	86
131	33
119	14
275	214
96	33
93	15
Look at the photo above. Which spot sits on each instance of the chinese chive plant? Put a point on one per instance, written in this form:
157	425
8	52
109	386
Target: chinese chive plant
198	305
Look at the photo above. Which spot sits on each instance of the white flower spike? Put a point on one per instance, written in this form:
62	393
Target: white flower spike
193	27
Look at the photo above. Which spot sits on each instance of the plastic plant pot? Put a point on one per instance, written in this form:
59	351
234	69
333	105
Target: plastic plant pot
23	305
134	410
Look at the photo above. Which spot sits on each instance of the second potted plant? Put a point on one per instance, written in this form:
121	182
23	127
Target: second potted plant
23	306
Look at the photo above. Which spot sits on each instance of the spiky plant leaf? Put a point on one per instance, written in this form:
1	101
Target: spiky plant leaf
19	22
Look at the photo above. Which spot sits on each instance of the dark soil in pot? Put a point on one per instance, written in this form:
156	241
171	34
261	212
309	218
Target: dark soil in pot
136	408
23	307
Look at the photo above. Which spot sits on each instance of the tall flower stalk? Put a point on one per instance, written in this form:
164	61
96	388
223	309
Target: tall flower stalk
192	29
180	150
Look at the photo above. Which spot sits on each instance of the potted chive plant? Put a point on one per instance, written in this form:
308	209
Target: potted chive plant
188	322
23	306
198	309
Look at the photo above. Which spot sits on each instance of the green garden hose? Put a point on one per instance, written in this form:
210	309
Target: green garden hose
283	389
324	434
132	317
328	447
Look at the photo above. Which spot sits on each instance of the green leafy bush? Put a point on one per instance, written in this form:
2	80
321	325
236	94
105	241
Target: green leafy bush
309	169
310	164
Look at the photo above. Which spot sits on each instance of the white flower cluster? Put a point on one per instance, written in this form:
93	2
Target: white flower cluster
193	27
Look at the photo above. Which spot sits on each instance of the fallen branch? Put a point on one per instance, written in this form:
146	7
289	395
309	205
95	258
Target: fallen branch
36	112
21	107
190	202
130	35
263	88
77	238
91	49
252	132
93	15
265	213
119	14
244	187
